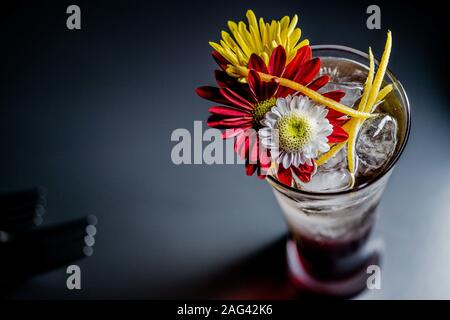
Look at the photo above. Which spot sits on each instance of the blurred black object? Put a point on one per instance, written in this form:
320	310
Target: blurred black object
23	210
26	250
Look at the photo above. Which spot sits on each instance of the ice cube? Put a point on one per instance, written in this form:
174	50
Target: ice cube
332	72
376	143
332	176
328	181
337	162
353	91
342	71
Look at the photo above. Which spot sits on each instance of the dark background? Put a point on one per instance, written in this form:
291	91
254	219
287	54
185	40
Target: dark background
89	115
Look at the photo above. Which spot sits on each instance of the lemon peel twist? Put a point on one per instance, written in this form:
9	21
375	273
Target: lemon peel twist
372	95
313	95
355	124
383	93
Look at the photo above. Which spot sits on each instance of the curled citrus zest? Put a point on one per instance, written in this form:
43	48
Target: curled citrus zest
384	92
351	145
380	73
313	95
371	96
356	123
368	85
374	94
347	125
317	97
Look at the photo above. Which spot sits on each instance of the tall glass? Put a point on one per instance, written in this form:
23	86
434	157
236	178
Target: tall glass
329	232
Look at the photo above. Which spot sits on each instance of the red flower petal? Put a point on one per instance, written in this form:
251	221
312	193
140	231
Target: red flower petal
257	63
256	85
338	135
246	146
339	122
250	169
336	118
297	64
307	71
261	175
336	95
264	158
261	90
254	149
277	61
303	172
220	122
230	133
212	94
241	145
319	83
264	163
220	60
303	54
333	114
223	79
228	112
236	99
283	92
271	88
284	175
238	120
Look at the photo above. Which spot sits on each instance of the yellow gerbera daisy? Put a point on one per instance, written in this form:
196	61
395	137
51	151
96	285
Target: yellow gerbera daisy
260	38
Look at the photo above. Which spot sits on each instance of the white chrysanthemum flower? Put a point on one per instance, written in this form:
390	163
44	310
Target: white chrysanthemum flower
295	130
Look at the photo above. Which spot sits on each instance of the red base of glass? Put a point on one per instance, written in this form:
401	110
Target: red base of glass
349	276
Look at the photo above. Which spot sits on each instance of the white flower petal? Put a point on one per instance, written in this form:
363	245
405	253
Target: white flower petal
281	103
279	156
304	107
283	106
293	105
297	160
324	147
287	160
265	132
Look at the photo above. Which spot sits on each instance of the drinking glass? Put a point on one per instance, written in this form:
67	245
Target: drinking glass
328	250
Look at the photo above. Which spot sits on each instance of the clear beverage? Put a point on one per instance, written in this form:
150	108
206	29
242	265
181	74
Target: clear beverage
330	219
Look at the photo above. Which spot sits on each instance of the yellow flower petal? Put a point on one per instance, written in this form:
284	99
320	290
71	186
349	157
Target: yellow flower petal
260	38
293	24
253	23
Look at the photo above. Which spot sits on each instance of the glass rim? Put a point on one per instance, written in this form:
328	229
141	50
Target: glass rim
393	160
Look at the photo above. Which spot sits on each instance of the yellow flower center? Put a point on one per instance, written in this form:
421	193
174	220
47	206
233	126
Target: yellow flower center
294	132
261	108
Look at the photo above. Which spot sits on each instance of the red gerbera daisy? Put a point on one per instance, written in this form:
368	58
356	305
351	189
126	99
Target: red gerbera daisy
243	106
